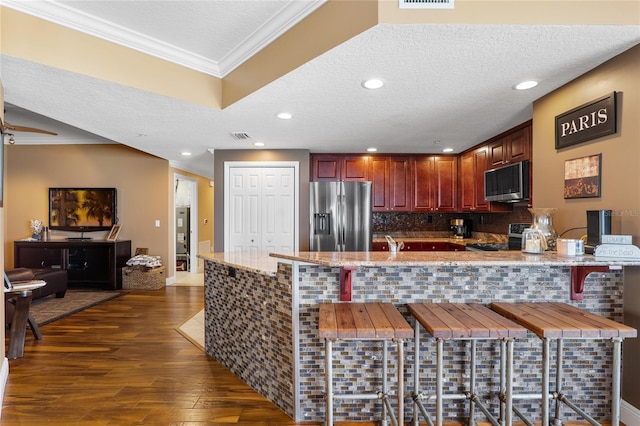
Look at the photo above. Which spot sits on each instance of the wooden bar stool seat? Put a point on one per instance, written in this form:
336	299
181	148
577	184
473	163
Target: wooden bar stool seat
364	321
560	321
464	321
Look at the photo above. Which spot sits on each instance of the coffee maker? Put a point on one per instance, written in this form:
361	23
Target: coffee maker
461	228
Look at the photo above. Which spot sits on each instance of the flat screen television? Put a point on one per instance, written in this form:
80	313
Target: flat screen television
82	209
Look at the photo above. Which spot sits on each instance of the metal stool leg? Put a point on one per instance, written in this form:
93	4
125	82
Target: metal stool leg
508	401
385	384
545	382
328	368
400	344
615	396
559	382
439	382
416	375
472	383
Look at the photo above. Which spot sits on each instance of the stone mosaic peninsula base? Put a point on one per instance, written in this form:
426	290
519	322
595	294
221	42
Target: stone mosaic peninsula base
263	326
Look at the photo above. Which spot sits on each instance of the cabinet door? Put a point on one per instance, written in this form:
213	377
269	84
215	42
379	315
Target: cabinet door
355	168
445	184
467	181
325	168
38	257
334	168
89	265
497	153
434	246
399	184
380	246
518	145
379	176
481	159
422	171
456	247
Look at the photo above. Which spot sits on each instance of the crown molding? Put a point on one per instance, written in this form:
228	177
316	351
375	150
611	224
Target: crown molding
66	16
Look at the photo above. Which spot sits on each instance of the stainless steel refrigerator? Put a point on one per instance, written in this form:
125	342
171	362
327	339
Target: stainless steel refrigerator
340	216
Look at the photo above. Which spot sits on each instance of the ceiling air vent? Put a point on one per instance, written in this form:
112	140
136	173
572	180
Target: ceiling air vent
241	136
426	4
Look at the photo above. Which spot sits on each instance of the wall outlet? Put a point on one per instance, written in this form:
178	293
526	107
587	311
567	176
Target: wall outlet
157	223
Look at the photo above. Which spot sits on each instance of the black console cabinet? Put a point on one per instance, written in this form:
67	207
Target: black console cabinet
88	263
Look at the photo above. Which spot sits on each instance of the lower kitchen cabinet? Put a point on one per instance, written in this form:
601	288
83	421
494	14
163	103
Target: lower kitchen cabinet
421	246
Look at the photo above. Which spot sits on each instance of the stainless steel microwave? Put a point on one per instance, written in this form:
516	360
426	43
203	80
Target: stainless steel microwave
507	184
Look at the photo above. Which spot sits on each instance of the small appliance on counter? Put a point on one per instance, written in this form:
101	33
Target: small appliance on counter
461	228
394	246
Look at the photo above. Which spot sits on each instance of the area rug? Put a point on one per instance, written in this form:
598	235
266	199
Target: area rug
49	309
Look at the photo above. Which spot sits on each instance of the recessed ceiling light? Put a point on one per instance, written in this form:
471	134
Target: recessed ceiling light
284	116
447	150
373	83
372	149
258	144
185	153
526	85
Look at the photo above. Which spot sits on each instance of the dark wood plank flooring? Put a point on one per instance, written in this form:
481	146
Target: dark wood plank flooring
124	363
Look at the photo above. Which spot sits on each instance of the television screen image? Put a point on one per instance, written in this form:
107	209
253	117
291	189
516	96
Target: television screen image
82	209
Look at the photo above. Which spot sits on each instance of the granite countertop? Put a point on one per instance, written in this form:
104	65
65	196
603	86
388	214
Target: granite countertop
449	258
267	262
261	262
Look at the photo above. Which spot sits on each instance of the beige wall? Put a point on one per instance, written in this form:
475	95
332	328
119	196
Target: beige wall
2	221
222	156
142	182
205	204
620	175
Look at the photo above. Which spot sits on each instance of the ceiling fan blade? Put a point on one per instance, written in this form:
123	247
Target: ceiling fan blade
8	126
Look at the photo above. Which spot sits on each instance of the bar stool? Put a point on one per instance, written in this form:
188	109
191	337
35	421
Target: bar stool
559	321
364	321
464	321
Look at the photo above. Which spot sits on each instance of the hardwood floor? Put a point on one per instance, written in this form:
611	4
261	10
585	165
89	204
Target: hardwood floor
124	363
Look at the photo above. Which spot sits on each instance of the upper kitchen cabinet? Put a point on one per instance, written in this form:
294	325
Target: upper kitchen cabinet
511	146
328	167
391	183
435	183
472	167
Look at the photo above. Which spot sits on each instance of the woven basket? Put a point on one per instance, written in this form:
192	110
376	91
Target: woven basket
143	278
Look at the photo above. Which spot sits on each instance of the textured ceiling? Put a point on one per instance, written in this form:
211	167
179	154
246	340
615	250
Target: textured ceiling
445	85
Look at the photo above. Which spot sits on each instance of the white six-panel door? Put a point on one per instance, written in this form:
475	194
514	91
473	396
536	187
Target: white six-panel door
260	207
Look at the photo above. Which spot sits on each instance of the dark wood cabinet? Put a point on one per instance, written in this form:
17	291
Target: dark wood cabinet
473	164
435	183
510	147
391	183
334	168
88	263
421	246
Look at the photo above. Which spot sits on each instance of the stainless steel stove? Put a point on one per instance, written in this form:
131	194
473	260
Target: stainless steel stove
515	235
515	240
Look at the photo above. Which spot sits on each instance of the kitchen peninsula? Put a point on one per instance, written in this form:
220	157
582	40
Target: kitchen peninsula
261	319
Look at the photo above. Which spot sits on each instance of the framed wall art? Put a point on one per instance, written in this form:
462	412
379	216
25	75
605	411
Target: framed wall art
582	177
113	234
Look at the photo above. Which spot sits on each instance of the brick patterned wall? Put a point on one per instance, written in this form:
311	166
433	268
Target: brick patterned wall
253	338
588	381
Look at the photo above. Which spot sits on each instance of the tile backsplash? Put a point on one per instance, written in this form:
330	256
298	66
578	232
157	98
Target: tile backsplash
494	223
